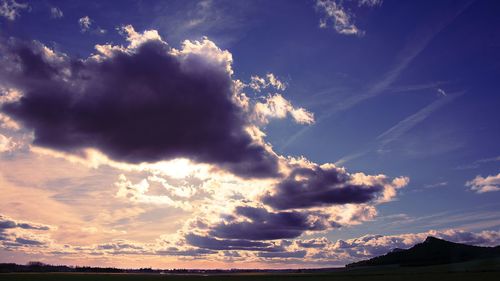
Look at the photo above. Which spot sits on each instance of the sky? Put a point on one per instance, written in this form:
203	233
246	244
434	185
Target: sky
246	134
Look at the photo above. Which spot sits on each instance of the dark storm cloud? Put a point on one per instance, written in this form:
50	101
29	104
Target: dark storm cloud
140	106
264	225
226	244
313	187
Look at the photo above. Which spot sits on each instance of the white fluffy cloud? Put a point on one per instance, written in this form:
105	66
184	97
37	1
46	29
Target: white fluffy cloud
276	106
9	9
85	23
336	16
482	185
339	17
8	144
258	83
140	192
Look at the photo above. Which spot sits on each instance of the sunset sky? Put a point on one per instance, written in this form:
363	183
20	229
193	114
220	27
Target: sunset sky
246	134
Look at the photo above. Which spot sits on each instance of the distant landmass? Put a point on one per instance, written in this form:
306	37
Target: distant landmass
39	267
432	251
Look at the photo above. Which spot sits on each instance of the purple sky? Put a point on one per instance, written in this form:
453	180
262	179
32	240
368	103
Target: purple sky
223	134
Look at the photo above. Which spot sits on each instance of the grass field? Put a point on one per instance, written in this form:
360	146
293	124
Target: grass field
456	272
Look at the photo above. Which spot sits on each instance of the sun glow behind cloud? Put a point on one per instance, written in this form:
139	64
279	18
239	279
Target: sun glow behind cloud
217	200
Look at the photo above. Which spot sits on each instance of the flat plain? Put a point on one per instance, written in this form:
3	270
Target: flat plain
482	271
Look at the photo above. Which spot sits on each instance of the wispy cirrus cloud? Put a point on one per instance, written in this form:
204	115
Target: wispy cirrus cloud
414	46
437	184
223	21
56	13
478	163
411	121
392	134
370	3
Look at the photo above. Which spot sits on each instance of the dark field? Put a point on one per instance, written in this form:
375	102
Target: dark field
480	276
465	271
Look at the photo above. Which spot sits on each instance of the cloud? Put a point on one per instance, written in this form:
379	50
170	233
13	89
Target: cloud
182	133
423	36
260	224
276	106
9	9
316	251
478	163
6	144
370	245
134	38
56	13
402	127
482	185
25	241
313	243
207	242
8	223
283	255
16	233
7	123
139	193
317	186
437	184
336	16
411	121
195	252
224	21
370	3
184	99
258	83
85	23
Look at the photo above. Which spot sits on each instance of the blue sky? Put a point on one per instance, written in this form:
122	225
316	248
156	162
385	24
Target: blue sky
406	90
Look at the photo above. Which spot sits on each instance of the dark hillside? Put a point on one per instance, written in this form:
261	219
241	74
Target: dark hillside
430	252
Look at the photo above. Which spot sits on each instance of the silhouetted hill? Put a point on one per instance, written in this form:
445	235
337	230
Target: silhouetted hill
431	252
